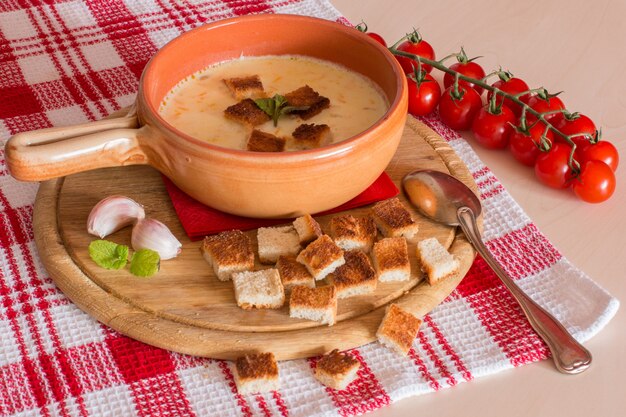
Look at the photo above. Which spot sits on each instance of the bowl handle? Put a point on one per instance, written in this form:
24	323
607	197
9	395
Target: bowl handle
58	151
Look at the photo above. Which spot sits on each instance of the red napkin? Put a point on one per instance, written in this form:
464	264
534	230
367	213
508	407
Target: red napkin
199	220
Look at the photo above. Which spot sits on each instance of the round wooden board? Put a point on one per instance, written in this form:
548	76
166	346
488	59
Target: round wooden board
184	308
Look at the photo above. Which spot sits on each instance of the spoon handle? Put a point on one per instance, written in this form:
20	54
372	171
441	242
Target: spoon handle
569	356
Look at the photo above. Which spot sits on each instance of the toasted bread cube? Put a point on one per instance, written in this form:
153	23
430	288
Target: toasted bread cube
303	97
355	277
247	113
245	87
398	329
309	136
393	219
307	97
436	261
321	257
337	370
265	142
277	241
293	273
308	229
391	259
351	232
317	304
228	252
260	289
256	373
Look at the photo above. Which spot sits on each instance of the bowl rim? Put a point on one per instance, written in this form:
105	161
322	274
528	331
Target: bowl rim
336	148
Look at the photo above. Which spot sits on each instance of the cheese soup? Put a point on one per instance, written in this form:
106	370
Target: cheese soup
196	105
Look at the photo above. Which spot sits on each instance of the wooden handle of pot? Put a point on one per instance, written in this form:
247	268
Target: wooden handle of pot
58	151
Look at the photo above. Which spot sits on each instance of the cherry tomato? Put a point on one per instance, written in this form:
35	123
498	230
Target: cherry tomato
552	169
362	27
602	151
423	98
458	113
596	182
417	46
512	86
525	146
543	106
581	124
492	130
470	69
377	38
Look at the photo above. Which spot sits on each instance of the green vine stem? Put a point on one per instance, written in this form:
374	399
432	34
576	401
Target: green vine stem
515	98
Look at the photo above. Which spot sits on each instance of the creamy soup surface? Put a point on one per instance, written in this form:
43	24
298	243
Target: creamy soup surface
196	105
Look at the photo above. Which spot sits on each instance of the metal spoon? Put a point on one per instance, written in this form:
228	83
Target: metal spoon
447	200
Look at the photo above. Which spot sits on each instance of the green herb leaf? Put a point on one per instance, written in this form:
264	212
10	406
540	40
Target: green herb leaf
277	106
268	105
108	255
145	263
280	103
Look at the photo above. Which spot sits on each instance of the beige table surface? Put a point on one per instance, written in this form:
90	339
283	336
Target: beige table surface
578	47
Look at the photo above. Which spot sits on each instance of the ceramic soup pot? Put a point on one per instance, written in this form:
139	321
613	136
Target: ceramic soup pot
253	184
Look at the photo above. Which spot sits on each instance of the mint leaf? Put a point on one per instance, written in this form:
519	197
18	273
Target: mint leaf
145	263
277	106
279	100
268	105
279	103
108	255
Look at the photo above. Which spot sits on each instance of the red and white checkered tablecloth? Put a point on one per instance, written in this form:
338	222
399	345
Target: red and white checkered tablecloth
79	60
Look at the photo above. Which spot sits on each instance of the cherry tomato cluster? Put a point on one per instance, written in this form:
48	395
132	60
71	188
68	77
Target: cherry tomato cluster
504	121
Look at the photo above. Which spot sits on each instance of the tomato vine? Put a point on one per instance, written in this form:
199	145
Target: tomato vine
526	109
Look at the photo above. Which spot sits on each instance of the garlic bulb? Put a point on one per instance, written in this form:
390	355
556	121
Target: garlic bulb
112	214
152	234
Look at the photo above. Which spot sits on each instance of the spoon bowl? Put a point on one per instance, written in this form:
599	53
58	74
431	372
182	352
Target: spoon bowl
445	199
438	196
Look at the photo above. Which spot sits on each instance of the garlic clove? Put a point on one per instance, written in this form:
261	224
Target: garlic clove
152	234
112	214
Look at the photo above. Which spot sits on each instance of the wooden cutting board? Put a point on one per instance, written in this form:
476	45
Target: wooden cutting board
184	307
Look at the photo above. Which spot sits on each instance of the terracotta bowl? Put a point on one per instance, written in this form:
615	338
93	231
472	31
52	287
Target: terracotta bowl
246	183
